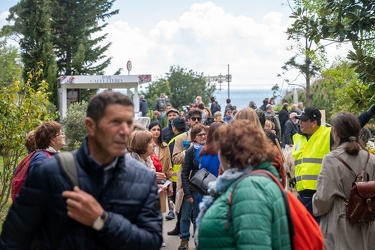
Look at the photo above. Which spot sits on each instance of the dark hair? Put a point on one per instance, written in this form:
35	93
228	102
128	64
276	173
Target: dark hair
201	105
45	132
261	116
99	102
139	140
265	101
195	112
210	147
153	124
228	100
212	99
197	128
242	143
346	128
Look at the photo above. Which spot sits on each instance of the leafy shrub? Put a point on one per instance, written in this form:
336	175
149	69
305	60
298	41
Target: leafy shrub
22	108
73	124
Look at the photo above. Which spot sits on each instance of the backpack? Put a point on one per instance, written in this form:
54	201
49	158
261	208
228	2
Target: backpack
162	103
304	231
65	162
218	107
360	208
21	172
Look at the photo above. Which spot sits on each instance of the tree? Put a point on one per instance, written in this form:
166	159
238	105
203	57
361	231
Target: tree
309	55
62	32
22	108
78	53
181	87
73	124
33	21
337	89
10	68
354	22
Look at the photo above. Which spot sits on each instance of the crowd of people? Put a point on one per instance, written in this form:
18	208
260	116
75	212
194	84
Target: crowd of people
129	175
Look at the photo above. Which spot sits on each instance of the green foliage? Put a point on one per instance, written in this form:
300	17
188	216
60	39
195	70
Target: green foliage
33	21
73	124
352	21
22	108
338	89
60	34
74	25
309	55
9	69
181	87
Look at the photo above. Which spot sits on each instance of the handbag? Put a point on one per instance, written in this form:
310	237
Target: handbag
199	182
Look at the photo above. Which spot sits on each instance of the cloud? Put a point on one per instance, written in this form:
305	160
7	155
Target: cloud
3	17
206	39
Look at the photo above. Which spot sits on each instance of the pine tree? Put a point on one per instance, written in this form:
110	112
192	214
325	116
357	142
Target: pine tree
60	34
33	22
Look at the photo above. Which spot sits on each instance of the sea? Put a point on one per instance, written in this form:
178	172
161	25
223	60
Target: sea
242	97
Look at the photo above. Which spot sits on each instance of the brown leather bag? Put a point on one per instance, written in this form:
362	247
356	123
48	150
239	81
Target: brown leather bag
360	208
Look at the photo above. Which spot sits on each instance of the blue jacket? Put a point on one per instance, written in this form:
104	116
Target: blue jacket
130	197
38	157
209	162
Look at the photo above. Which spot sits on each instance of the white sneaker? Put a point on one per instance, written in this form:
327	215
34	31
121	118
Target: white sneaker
163	244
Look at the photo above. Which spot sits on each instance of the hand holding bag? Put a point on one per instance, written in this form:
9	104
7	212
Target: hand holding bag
199	182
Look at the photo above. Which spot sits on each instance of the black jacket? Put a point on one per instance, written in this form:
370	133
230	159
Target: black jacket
167	133
290	130
143	107
130	197
283	117
190	164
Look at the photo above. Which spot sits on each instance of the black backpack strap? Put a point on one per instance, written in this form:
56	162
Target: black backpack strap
68	167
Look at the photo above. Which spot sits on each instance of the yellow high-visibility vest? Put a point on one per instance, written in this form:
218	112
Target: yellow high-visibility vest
308	156
175	167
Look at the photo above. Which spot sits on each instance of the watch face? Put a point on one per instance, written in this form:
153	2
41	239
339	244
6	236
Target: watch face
98	224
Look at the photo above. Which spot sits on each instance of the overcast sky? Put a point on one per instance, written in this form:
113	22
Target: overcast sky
204	36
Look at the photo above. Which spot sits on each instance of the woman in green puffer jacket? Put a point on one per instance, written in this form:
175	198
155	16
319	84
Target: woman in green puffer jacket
258	216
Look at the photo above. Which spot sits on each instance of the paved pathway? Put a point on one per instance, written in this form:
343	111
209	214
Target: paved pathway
172	242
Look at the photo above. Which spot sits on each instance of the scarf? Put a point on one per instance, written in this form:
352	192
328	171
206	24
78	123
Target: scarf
215	190
197	145
51	150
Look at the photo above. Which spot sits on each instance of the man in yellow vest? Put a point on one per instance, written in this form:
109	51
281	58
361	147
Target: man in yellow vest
309	148
308	151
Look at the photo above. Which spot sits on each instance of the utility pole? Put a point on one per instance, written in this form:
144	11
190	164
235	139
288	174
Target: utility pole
220	80
228	83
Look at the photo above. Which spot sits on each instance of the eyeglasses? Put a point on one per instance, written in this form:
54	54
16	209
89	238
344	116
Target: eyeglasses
201	135
62	133
196	118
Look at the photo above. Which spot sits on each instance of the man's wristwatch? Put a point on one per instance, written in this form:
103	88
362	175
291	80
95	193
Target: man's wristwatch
99	222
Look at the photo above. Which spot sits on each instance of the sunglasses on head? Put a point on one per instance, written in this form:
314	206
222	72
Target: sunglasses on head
196	118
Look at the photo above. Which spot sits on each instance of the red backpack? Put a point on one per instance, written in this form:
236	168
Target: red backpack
21	173
304	231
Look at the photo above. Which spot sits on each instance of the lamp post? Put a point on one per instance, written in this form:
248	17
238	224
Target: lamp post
228	82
